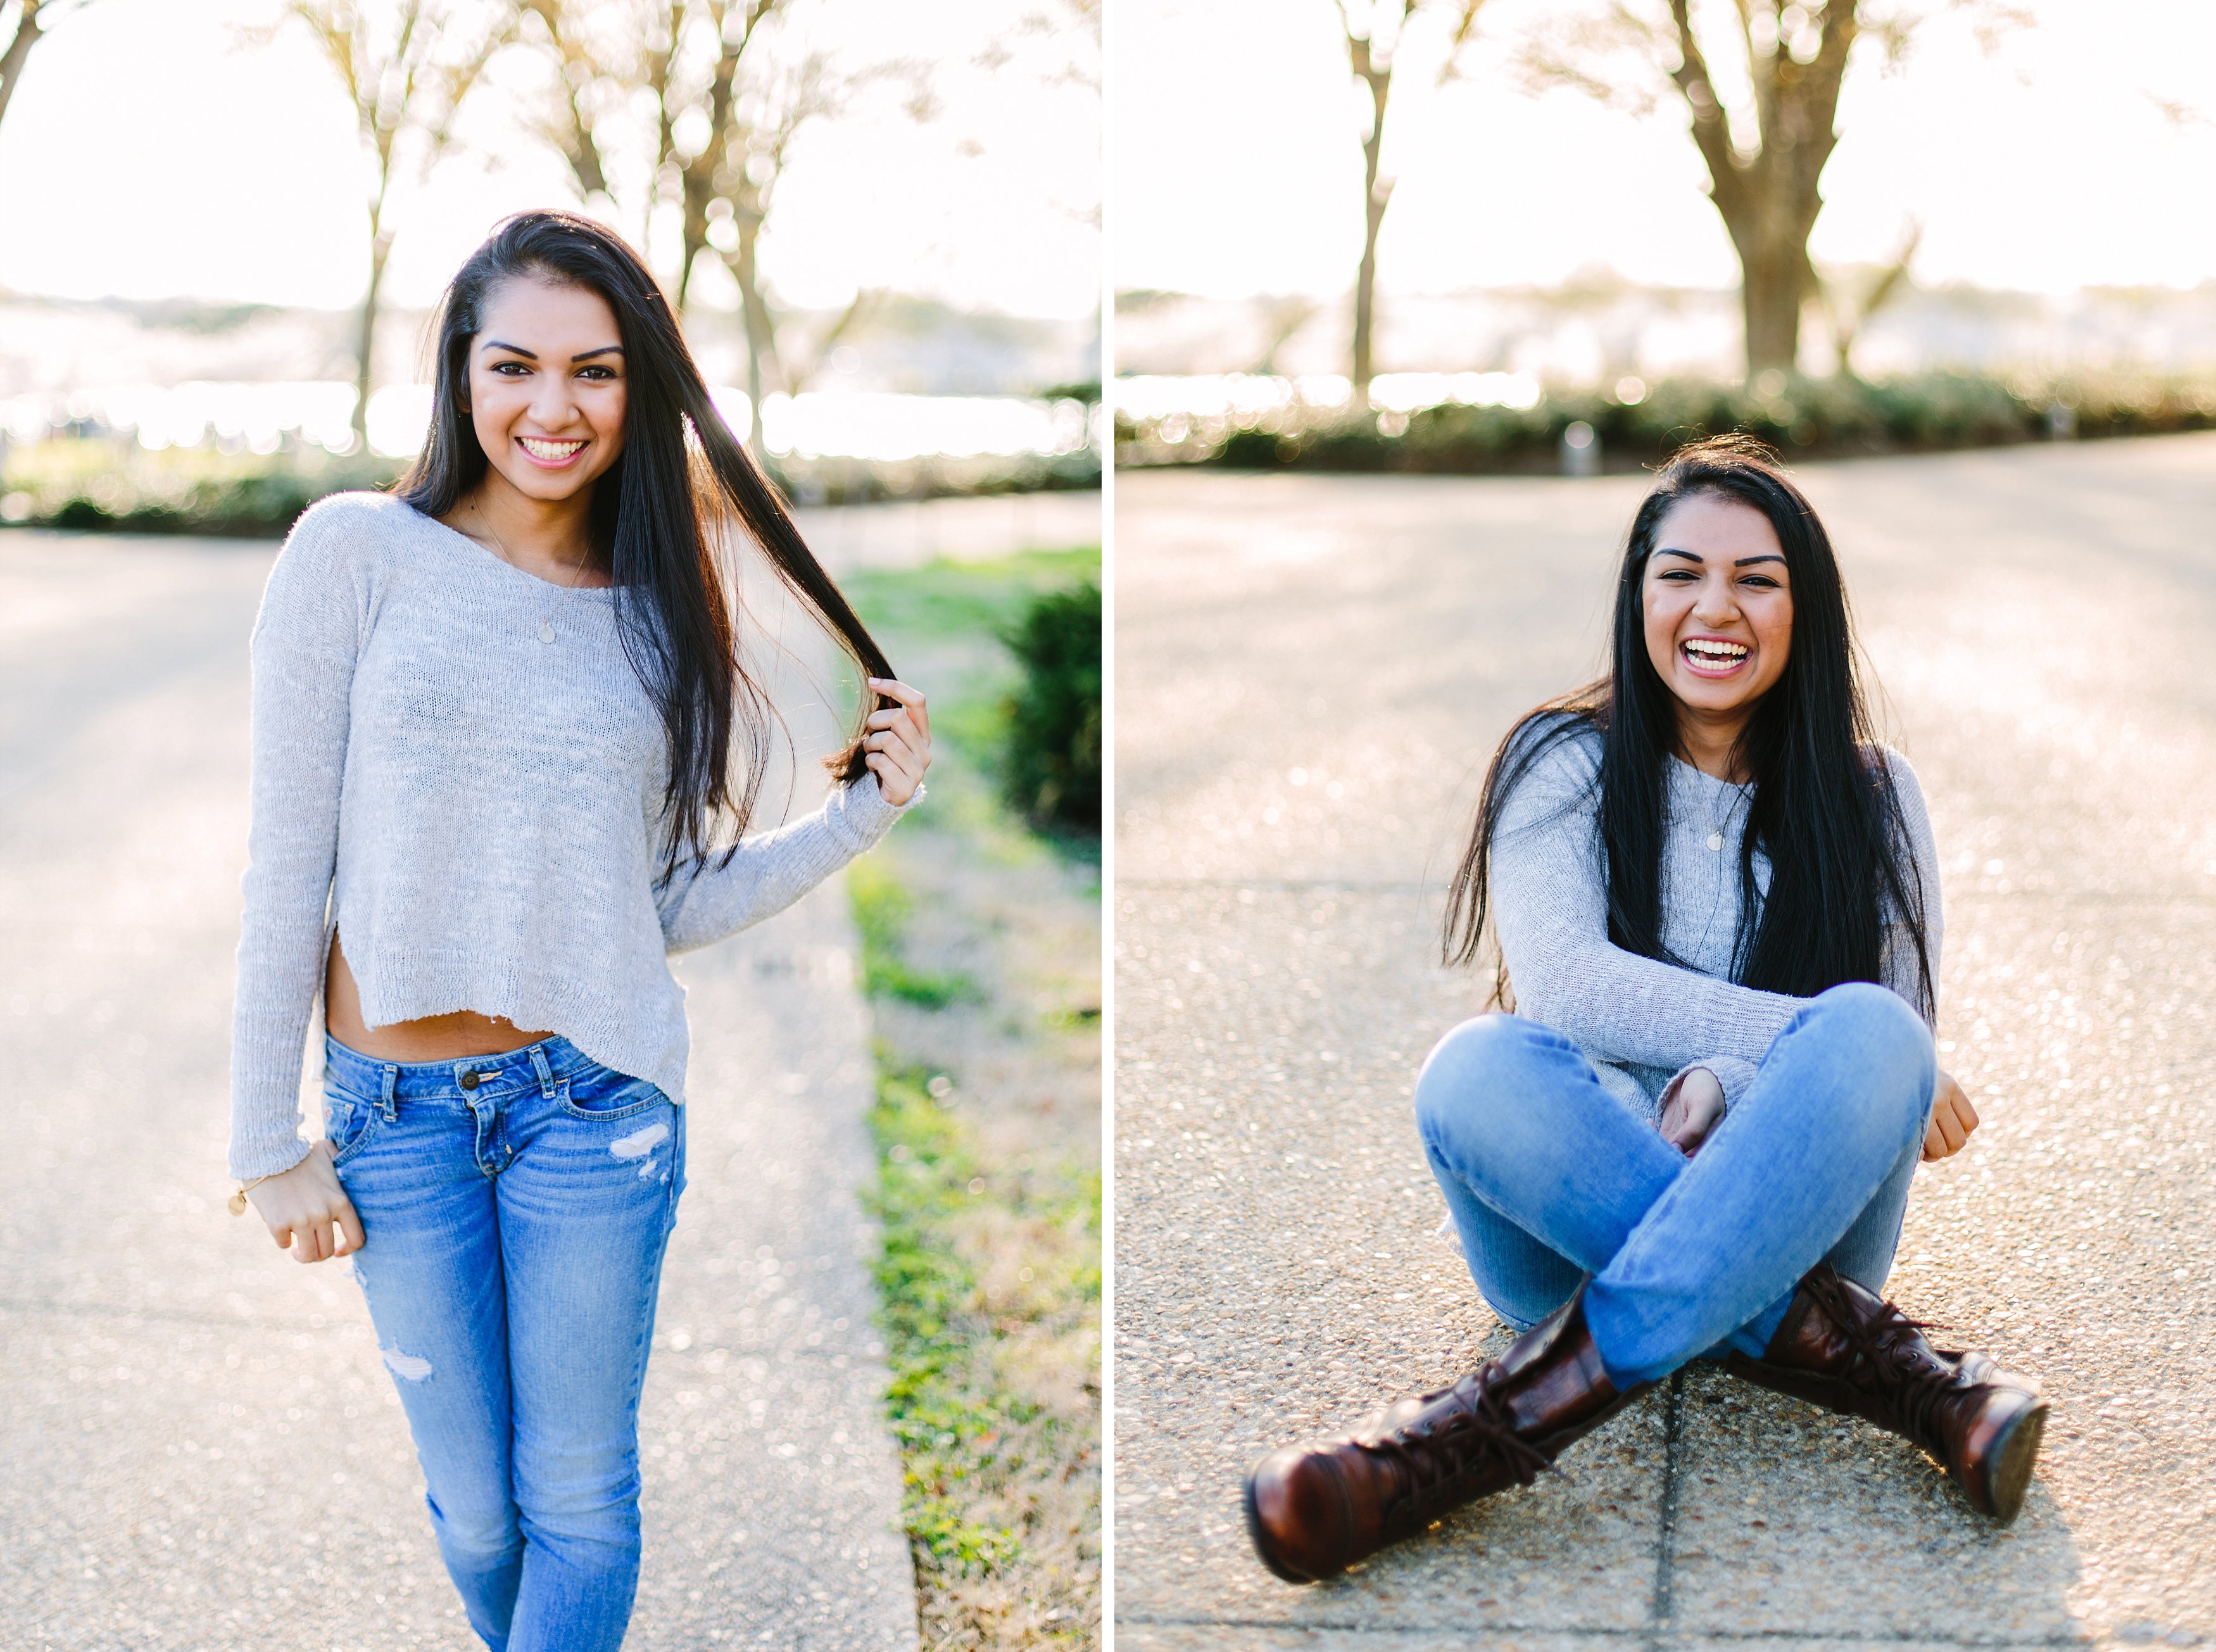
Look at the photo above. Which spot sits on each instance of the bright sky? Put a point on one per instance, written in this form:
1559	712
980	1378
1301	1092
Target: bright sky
153	152
2045	165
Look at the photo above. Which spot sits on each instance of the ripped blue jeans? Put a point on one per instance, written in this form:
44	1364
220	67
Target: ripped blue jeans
516	1208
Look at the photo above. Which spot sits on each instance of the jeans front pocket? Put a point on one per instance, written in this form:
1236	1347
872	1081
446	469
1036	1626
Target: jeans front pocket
603	1094
348	1122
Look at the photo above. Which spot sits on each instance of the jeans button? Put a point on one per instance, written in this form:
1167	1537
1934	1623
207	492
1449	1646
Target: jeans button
470	1080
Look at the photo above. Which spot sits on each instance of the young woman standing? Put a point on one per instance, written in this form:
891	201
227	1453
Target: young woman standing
495	785
1717	899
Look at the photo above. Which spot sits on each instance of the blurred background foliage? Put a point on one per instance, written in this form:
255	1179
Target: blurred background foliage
1809	417
728	139
1639	137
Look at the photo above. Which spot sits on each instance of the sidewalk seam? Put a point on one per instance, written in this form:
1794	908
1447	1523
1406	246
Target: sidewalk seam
1663	1606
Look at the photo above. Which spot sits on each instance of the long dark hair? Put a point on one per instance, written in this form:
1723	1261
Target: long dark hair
1824	809
680	476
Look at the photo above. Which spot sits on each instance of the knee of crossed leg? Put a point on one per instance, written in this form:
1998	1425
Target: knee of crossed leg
1465	1091
1891	1053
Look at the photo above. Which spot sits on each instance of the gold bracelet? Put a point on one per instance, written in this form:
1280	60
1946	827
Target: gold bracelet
238	1199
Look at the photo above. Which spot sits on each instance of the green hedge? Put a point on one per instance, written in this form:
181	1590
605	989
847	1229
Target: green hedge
94	485
1052	763
1809	418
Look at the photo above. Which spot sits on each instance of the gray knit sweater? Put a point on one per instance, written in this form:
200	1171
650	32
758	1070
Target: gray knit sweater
1643	1022
475	812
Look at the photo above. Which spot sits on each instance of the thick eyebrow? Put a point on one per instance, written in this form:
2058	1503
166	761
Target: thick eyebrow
532	356
1695	556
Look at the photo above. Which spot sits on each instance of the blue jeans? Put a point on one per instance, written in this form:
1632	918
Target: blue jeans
514	1234
1551	1180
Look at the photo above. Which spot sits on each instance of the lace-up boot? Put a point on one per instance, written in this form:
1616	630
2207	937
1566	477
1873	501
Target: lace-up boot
1843	1349
1314	1510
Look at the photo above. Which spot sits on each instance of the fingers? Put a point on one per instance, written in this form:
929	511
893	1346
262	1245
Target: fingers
894	688
894	781
1950	1128
350	1237
895	717
910	752
1965	1112
1944	1135
898	764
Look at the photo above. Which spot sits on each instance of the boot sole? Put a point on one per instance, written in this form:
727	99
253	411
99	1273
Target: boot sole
2016	1455
1277	1568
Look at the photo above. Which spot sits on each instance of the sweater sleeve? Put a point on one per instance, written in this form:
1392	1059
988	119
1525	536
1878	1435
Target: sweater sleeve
1897	965
305	644
1550	910
719	893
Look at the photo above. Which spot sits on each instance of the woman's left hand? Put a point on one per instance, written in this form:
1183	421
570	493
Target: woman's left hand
1953	1119
898	746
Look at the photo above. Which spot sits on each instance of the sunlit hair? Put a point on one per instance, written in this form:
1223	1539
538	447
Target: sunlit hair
1824	809
659	516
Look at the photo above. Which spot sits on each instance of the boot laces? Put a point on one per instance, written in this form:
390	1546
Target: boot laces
1912	1392
1435	1452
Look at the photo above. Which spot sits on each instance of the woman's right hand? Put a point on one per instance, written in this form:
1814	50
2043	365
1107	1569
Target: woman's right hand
308	1211
1690	1108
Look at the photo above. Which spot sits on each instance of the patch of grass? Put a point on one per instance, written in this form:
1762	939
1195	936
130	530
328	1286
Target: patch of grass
882	908
987	1195
949	598
972	1442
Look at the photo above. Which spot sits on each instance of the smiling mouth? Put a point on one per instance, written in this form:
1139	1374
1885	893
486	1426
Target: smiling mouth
1712	656
547	450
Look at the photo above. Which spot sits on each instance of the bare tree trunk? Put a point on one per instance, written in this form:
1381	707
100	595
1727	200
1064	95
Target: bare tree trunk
1768	201
1375	197
761	329
381	249
18	53
1770	298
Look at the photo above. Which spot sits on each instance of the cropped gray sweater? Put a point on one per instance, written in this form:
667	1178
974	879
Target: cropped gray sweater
475	812
1643	1022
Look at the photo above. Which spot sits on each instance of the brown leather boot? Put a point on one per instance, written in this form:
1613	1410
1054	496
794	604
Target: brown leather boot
1846	1349
1314	1510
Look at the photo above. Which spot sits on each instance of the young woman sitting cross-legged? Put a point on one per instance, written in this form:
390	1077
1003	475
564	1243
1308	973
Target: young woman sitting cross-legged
1716	897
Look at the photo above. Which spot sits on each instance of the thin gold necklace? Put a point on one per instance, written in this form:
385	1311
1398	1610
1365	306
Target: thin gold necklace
569	592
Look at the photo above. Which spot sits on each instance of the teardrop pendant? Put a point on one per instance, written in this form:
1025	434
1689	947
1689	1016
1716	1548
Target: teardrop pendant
545	629
1716	841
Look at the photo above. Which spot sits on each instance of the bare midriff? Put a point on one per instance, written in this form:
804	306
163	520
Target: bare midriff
433	1038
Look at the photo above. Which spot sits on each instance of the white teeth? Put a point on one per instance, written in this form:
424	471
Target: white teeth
1701	648
550	449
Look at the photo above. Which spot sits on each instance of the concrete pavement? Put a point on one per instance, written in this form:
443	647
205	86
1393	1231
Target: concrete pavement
200	1448
1312	672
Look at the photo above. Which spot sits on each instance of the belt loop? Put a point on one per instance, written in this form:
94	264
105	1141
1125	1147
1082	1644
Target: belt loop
392	1086
545	1073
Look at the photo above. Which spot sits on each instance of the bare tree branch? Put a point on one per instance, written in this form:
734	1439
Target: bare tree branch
406	67
1764	169
34	19
1373	35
